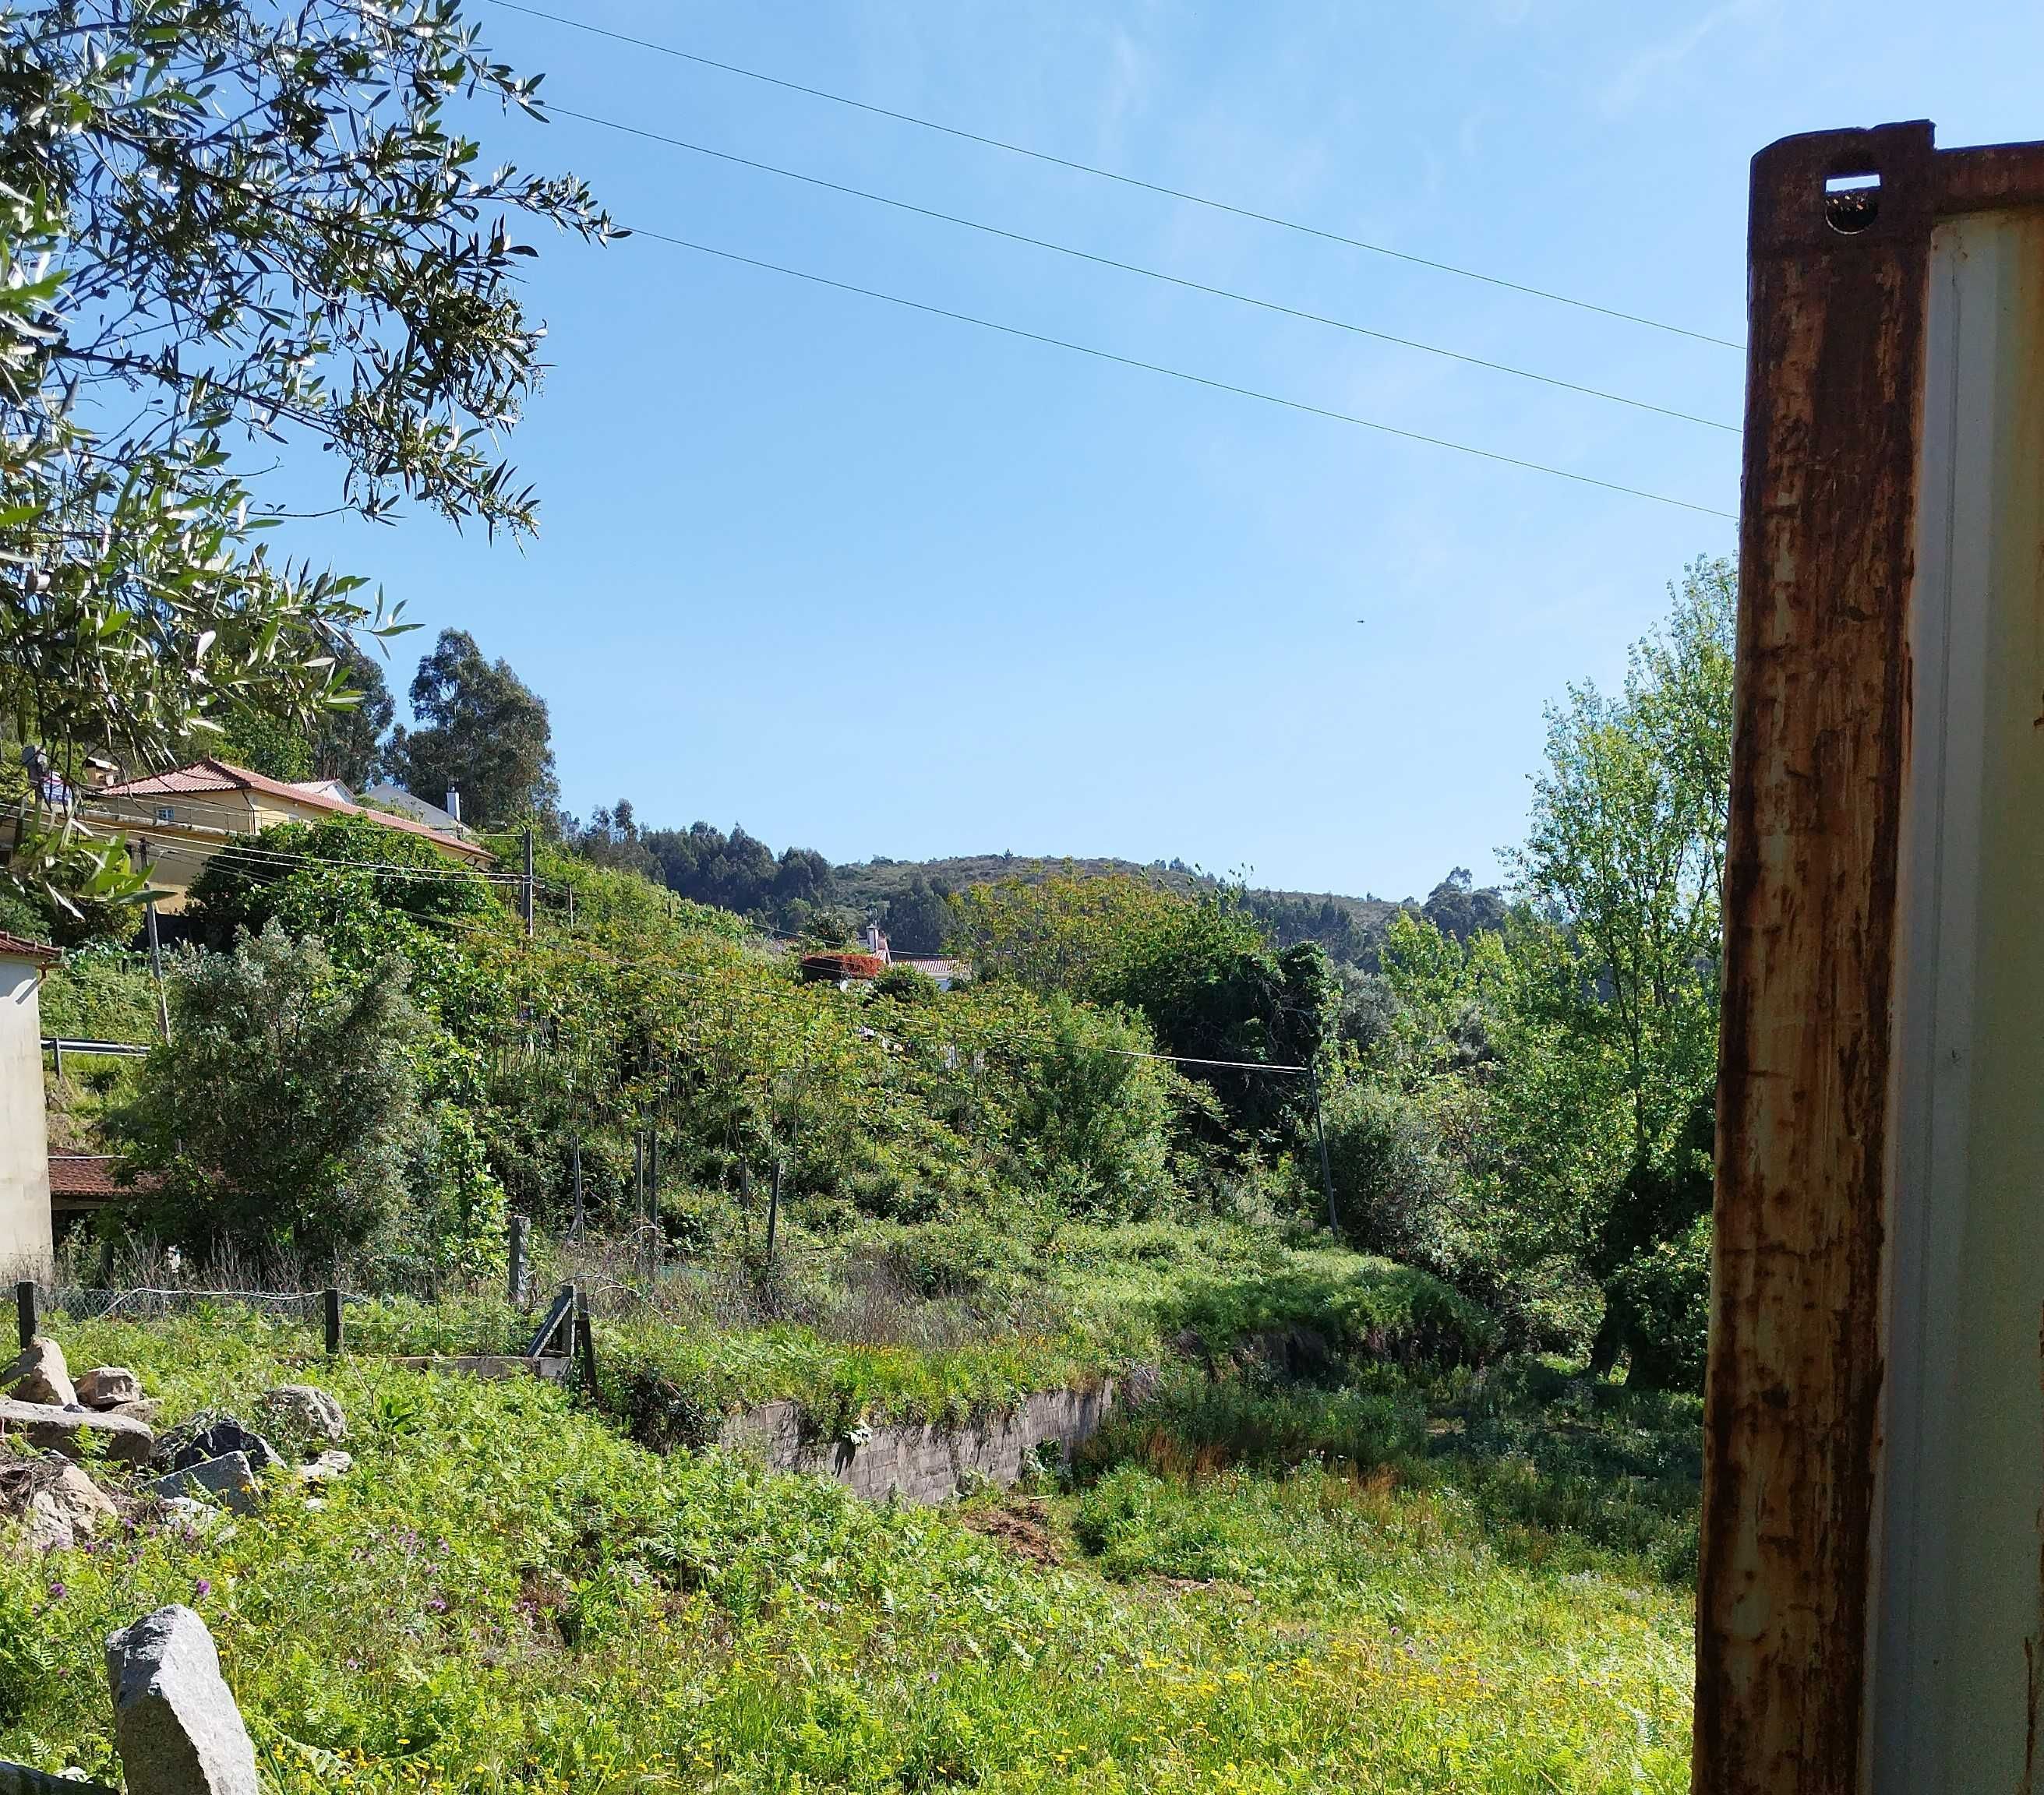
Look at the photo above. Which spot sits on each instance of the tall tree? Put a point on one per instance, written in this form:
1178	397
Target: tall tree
349	742
485	732
223	221
1609	1062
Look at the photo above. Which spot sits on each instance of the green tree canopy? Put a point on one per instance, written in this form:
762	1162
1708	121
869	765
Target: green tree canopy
1608	1047
485	732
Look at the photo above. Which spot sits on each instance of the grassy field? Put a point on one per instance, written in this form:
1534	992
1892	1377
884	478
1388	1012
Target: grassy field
1302	1566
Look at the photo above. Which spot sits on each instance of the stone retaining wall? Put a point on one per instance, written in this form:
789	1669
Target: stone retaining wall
921	1464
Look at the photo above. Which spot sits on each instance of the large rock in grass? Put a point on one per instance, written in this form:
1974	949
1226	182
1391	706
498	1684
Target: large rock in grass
208	1436
229	1480
68	1430
300	1417
69	1508
108	1387
174	1718
39	1376
55	1502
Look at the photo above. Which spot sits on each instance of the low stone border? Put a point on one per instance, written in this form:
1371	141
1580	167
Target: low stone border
920	1463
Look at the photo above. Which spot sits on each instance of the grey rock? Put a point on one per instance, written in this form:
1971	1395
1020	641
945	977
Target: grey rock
326	1468
39	1376
200	1517
174	1718
108	1387
18	1779
213	1436
229	1479
144	1409
66	1431
68	1507
304	1418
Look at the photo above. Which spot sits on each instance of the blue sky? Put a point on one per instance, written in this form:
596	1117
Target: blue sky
876	582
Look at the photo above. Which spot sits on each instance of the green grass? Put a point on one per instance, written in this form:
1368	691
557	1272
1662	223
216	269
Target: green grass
507	1595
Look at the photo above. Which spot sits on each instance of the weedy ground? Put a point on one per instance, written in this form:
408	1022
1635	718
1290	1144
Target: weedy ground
1300	1565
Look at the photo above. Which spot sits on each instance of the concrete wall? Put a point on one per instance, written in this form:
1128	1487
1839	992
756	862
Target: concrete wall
924	1465
24	1154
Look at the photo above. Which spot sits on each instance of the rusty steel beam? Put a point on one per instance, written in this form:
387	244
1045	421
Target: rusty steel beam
1825	1663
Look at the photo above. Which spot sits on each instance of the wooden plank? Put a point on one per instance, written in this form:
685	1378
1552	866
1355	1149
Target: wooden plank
561	1309
1826	542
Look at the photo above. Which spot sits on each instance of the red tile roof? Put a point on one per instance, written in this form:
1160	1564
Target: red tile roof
211	775
86	1176
19	947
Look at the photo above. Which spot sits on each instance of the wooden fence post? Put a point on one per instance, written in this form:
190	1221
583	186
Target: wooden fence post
25	1310
330	1303
584	1342
515	1254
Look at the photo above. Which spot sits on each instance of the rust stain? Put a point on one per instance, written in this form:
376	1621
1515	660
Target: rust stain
1827	552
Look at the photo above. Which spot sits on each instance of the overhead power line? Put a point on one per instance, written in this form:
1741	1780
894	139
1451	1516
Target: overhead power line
1137	268
1182	373
1123	180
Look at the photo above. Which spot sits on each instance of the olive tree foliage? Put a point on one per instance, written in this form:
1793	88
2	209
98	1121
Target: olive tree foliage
228	224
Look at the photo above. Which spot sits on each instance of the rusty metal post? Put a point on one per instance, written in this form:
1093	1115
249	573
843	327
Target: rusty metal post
1870	1620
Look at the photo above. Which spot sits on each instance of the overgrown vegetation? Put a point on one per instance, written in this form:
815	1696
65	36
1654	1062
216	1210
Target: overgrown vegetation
505	1595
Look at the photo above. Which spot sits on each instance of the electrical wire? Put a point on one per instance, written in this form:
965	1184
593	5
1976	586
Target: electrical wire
1125	180
1148	274
1183	374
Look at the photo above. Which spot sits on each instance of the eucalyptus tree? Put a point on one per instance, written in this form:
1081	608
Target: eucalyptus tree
227	226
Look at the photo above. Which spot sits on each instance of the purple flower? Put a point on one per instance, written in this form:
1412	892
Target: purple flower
436	1604
56	1592
201	1589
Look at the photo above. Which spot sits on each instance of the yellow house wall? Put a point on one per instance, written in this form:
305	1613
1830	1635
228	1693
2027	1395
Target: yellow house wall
198	828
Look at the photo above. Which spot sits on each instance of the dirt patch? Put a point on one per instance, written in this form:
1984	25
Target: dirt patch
1023	1527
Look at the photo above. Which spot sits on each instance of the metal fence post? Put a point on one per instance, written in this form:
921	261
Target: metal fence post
24	1311
330	1304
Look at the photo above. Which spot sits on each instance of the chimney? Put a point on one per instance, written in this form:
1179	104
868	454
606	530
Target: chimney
453	805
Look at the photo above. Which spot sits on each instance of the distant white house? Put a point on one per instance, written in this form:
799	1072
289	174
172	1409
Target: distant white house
447	822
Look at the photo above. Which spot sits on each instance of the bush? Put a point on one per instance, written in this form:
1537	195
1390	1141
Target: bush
1665	1293
1097	1116
1375	1311
907	984
284	1110
1388	1180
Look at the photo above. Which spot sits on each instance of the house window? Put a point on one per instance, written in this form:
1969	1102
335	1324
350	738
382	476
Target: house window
166	814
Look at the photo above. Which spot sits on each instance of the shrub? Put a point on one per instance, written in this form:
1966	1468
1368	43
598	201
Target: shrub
1388	1180
1665	1292
284	1110
1097	1116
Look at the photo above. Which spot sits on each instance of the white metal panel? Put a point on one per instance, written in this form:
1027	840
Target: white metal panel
1957	1645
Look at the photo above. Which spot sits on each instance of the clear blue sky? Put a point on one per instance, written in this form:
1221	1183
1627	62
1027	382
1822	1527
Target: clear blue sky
875	582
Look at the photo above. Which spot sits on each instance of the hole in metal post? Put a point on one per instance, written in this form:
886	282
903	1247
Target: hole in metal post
1852	202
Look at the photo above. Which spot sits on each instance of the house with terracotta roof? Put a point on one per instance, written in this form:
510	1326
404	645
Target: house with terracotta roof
175	821
24	1178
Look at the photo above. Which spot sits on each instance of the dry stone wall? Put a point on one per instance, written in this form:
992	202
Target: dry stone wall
919	1464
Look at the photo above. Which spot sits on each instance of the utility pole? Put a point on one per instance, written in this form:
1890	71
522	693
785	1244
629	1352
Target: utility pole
1320	1129
156	967
526	893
